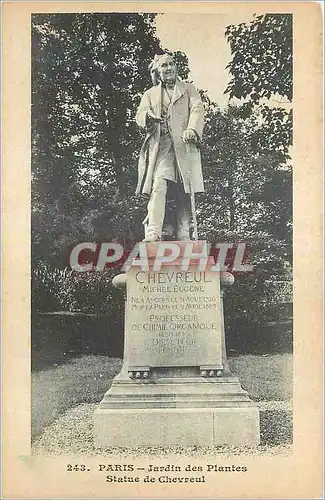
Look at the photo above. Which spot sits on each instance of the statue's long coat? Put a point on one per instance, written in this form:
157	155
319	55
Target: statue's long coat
186	111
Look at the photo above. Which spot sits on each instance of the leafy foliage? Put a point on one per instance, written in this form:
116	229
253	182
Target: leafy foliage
89	71
63	289
261	63
248	189
261	68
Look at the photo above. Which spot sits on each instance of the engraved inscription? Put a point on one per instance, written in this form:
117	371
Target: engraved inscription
173	318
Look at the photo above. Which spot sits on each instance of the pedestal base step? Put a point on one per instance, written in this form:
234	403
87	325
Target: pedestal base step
177	427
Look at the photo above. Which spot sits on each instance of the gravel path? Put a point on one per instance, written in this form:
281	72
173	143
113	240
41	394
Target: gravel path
72	433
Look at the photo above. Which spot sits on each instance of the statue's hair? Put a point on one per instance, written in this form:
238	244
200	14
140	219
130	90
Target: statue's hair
154	65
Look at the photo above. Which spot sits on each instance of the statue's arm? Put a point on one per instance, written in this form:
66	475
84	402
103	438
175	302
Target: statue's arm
196	117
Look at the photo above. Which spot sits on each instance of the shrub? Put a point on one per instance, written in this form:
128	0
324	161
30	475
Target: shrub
257	314
256	299
52	289
63	289
94	292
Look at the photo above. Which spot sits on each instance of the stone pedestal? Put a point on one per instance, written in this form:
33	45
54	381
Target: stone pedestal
175	387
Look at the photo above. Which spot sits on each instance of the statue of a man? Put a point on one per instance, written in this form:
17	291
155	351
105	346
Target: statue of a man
172	114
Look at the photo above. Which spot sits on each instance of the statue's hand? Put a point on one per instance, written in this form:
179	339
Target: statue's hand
189	136
152	118
151	121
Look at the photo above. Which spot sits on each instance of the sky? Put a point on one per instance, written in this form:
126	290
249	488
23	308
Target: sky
202	38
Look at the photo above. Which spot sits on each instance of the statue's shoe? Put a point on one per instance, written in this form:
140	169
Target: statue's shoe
151	238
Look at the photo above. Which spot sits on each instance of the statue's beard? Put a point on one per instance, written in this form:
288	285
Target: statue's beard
170	79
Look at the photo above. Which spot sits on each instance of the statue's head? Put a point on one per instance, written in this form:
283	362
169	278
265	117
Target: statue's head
163	68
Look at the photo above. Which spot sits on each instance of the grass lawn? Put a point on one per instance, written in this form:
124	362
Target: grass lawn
265	377
85	379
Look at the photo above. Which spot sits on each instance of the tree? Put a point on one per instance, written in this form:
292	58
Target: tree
261	69
88	73
240	202
247	199
261	64
247	155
